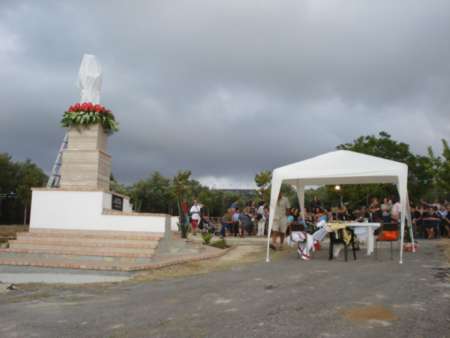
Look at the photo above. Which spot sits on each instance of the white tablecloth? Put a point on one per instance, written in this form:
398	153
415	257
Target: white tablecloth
365	231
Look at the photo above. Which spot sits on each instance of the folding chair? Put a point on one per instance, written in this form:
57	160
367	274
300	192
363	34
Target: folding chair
337	237
388	232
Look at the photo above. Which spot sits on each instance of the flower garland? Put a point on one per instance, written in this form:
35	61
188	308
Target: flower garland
85	114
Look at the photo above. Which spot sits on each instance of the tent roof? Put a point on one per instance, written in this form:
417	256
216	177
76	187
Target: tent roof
342	167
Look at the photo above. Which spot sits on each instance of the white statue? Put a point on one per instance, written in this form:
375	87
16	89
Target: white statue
90	79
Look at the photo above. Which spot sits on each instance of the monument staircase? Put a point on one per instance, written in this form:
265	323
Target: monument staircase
82	249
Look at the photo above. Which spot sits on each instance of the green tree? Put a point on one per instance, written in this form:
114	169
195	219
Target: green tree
29	175
421	168
18	178
181	189
442	168
263	181
118	187
8	174
152	194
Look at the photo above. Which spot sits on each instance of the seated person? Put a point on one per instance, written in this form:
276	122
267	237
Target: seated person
362	215
342	213
431	221
321	232
206	225
305	242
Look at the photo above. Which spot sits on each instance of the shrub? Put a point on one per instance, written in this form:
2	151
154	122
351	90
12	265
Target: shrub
206	236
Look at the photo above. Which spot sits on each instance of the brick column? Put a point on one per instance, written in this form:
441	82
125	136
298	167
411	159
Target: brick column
85	162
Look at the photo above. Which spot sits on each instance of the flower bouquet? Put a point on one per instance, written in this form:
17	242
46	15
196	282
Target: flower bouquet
86	114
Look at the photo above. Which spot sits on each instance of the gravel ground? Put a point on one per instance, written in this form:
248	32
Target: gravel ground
285	298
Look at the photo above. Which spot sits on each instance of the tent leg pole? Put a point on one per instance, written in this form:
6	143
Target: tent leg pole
268	245
411	235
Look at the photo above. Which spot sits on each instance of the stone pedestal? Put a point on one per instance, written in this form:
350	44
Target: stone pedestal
85	163
84	202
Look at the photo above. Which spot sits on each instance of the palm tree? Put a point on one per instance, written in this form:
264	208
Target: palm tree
263	180
180	188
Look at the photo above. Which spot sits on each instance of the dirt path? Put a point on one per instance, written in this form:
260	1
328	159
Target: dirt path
239	295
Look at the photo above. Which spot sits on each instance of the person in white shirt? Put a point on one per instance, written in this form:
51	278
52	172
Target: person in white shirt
395	211
235	218
261	219
195	216
280	222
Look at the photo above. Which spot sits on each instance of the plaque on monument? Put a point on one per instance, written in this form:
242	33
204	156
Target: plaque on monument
117	202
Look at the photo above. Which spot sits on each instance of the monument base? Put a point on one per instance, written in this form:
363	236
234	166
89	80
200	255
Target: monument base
91	210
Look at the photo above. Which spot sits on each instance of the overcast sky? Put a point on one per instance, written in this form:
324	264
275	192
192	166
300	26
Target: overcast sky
226	88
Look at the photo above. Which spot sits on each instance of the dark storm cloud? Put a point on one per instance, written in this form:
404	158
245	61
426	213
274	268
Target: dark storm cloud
227	88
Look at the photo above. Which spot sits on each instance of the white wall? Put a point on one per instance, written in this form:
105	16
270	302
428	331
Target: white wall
83	210
127	206
174	223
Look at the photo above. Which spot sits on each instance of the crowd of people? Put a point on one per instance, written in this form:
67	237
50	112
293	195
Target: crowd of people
430	220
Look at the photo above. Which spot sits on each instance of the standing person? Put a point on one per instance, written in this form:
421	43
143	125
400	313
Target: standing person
442	213
227	222
446	221
252	206
291	220
343	214
260	219
415	216
386	210
195	216
316	204
245	222
260	209
253	214
235	219
266	219
395	211
375	210
280	221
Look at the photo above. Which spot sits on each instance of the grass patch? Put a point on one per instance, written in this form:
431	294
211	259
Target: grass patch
220	244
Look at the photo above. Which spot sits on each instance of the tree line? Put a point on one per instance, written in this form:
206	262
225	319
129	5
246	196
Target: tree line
428	178
16	180
428	175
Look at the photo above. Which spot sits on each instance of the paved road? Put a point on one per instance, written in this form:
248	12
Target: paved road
286	298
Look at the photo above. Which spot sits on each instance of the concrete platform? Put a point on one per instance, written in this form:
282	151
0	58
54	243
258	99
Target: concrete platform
21	275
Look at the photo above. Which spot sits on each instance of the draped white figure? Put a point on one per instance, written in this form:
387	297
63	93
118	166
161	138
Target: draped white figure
90	79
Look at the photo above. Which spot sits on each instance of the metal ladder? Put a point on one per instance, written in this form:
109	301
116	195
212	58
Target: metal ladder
54	179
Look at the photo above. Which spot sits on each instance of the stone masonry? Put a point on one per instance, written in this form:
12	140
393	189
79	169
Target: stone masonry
85	163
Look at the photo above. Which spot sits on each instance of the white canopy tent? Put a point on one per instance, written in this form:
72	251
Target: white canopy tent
342	167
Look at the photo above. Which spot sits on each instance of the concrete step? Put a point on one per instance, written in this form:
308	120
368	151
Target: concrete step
124	235
15	246
11	253
46	260
87	242
68	262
